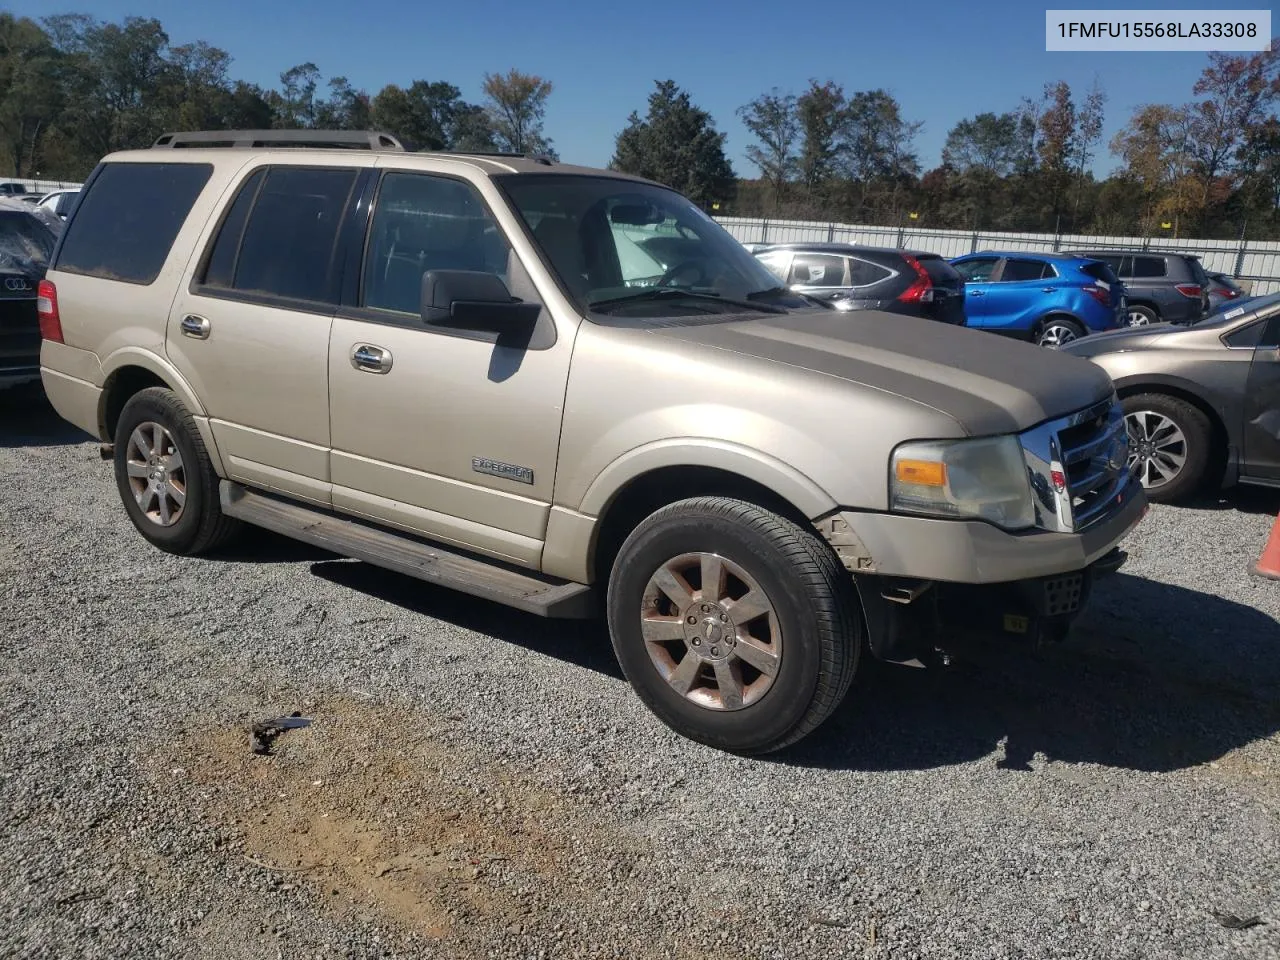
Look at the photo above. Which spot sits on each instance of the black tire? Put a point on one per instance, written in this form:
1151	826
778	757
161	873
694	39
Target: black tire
813	599
1198	434
1050	324
201	526
1147	314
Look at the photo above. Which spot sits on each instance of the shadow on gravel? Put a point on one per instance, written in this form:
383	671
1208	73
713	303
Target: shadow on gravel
582	643
27	420
1243	499
1176	679
1179	679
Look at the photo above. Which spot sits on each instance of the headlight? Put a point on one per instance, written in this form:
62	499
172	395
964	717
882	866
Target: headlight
984	478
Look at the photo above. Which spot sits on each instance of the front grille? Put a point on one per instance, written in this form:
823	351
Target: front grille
1078	466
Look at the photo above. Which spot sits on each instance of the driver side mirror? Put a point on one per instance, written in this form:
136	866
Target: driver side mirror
474	300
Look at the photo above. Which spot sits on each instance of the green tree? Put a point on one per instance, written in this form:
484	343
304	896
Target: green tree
432	116
820	111
517	106
295	102
30	93
772	120
676	143
1057	127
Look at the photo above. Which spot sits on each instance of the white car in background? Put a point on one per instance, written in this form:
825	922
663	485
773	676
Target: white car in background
60	201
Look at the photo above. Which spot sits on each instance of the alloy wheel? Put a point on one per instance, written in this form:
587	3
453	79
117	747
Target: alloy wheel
1056	334
711	631
1157	448
157	475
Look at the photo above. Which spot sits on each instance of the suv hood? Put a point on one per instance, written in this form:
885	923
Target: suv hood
987	383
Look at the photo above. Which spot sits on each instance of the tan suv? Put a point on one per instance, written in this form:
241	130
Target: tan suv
571	391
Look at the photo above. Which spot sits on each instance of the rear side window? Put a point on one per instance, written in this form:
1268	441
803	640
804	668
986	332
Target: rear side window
863	273
126	221
976	271
939	270
1118	263
1016	270
1147	267
1197	271
279	238
818	270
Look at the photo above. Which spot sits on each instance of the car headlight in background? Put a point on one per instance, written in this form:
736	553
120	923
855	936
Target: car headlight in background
984	478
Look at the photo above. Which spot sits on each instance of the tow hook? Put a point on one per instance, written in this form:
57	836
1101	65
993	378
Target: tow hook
1110	562
107	450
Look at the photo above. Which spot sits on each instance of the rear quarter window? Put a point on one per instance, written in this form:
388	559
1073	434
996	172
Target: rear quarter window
1146	267
1099	271
126	220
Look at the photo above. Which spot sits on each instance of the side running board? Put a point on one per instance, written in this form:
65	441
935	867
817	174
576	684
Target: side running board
523	589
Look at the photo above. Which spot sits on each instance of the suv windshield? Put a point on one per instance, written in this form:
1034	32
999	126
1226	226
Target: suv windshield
620	246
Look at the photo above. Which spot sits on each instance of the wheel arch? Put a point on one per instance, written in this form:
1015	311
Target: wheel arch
658	483
130	370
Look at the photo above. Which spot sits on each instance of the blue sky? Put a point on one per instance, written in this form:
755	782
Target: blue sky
943	61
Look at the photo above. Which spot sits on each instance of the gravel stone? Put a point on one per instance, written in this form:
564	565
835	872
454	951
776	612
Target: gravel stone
476	782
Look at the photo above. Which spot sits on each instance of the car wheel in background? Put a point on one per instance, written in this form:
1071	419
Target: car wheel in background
1169	444
1138	316
1055	331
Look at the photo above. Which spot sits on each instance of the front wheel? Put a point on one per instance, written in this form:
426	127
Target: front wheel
1168	445
738	628
1056	331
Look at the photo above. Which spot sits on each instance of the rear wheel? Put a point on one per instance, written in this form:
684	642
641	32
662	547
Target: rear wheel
166	481
737	627
1055	331
1139	316
1169	444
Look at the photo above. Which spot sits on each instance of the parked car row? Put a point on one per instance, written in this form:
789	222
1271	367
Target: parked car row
1048	298
1196	362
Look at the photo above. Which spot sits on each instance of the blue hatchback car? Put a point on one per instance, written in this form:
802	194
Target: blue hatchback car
1047	298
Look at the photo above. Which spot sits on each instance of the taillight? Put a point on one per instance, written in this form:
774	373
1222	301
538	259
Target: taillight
47	311
1191	290
1229	294
922	285
1099	294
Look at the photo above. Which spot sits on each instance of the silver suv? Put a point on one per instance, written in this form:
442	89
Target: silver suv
571	391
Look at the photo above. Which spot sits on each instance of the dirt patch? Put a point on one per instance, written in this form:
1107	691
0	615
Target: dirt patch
374	811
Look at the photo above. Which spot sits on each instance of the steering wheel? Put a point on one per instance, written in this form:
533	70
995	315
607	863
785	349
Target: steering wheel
666	279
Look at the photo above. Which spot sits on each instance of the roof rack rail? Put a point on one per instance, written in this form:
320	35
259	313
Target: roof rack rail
324	139
509	154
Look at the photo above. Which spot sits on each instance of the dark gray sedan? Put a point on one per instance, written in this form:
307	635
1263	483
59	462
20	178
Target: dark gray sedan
1201	402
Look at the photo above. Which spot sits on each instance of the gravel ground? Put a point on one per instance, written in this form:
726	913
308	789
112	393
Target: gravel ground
480	783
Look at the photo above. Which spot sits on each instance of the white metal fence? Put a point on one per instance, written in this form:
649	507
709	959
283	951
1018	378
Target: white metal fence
1257	263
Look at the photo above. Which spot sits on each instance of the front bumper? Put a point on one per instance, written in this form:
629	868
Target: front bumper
973	552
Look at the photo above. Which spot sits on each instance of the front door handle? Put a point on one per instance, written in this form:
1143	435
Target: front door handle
193	326
370	359
977	293
1048	289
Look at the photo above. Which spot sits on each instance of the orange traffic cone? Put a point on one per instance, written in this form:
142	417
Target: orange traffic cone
1268	564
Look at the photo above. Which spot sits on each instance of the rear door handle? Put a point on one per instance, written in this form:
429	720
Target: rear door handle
193	326
370	359
1048	289
977	293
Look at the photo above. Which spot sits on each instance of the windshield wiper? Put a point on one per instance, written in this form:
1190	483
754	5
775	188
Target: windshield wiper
675	293
780	290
